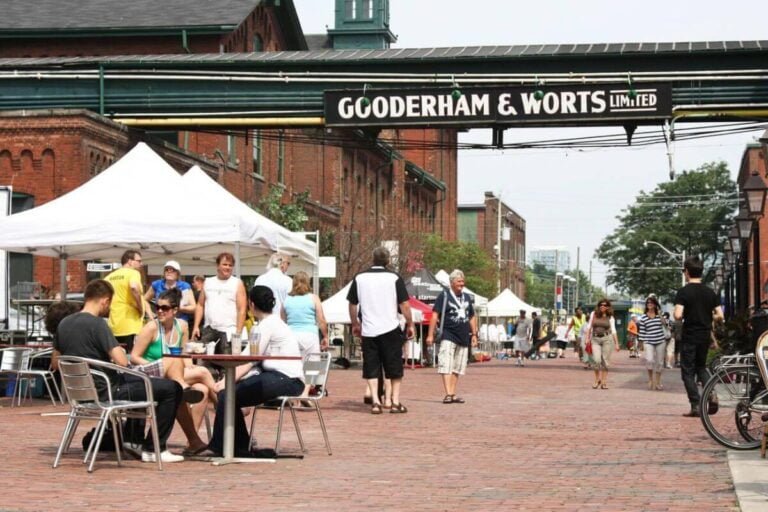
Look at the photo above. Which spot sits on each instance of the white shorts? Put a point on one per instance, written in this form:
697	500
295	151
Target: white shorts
522	344
309	342
452	358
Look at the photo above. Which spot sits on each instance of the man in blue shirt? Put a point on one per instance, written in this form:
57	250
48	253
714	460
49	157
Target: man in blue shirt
458	330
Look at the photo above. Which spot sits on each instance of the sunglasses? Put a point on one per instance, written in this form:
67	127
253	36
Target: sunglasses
603	305
164	308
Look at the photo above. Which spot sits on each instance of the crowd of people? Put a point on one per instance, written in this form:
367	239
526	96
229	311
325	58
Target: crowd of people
287	320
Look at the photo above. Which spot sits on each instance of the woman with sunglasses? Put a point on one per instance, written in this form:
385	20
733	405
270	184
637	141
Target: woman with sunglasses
601	335
152	343
650	332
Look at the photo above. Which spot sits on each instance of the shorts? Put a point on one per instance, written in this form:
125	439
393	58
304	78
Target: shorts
153	369
383	351
452	358
562	344
522	344
309	342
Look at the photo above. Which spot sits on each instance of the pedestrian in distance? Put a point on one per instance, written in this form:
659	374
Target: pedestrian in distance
632	341
128	309
454	311
697	306
578	320
522	338
650	332
601	336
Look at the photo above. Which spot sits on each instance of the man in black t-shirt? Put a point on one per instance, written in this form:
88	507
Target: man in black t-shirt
86	334
456	314
696	305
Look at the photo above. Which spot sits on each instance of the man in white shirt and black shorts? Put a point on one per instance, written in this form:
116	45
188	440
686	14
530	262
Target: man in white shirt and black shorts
374	297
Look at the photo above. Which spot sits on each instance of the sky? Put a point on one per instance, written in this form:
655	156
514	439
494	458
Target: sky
568	197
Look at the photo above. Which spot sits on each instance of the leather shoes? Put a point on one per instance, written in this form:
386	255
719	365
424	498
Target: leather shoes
693	413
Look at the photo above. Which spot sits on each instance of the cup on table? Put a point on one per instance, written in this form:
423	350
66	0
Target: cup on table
175	351
236	343
253	342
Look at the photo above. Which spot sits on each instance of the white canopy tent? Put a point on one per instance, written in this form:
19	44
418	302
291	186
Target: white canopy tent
444	278
117	210
508	304
268	232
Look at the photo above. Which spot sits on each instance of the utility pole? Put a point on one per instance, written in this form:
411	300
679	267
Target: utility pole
554	303
578	258
498	247
590	282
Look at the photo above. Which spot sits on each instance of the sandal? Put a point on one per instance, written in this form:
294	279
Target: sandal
596	385
448	399
457	400
603	386
659	387
398	409
188	452
376	409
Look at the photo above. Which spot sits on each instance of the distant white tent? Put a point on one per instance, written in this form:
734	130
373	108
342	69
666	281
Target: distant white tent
508	304
336	307
444	278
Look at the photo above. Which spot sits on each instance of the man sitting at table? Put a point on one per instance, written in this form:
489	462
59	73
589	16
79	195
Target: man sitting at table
86	334
260	383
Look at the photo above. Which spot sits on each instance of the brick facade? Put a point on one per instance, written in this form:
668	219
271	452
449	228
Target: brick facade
359	192
754	160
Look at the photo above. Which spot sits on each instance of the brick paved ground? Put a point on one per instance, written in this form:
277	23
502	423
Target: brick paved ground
533	438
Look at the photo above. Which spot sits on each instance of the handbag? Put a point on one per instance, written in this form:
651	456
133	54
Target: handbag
439	328
588	348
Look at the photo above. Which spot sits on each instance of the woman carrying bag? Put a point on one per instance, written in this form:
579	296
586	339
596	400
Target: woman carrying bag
602	340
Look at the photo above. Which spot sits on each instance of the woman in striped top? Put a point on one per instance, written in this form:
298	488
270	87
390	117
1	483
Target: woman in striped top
650	332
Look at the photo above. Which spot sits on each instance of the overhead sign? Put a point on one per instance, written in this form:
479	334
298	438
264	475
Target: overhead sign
561	104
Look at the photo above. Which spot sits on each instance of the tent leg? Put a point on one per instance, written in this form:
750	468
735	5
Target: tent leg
63	277
237	260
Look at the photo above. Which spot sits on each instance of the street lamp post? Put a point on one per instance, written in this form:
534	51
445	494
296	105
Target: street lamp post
680	255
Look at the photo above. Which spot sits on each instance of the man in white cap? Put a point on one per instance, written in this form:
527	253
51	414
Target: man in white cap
171	279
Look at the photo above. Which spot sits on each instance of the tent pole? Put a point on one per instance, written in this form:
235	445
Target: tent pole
315	267
237	260
63	276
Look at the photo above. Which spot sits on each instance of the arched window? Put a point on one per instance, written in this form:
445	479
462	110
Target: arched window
258	43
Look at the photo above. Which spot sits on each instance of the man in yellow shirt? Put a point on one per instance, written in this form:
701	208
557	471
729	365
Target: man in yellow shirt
126	315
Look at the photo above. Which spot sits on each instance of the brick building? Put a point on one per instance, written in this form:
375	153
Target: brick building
753	159
361	191
489	223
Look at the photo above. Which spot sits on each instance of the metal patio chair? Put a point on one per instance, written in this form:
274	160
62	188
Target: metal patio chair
77	377
316	370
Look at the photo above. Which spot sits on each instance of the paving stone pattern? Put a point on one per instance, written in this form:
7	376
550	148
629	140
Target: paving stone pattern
532	438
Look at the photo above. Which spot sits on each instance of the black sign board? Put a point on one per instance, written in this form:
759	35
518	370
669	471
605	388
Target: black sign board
561	104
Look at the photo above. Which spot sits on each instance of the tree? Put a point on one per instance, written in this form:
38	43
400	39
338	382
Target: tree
292	216
692	213
478	267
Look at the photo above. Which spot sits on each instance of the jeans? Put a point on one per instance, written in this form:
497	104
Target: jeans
254	390
167	395
693	366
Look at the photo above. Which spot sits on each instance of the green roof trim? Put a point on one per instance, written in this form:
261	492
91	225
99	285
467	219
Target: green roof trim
423	176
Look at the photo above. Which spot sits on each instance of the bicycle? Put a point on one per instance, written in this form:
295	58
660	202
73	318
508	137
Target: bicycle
737	386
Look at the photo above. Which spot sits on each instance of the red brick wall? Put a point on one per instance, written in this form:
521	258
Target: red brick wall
753	160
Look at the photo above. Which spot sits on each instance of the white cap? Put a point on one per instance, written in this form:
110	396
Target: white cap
173	264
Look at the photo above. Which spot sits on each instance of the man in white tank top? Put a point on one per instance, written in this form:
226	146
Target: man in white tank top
222	303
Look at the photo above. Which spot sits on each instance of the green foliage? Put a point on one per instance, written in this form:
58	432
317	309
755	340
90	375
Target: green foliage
478	267
292	216
692	213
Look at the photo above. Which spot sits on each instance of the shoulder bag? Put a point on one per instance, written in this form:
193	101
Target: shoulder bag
439	329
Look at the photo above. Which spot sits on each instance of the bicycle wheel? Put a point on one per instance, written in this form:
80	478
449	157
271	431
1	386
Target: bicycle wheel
736	424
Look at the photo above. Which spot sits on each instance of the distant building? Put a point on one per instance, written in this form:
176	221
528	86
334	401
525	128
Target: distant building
548	255
480	223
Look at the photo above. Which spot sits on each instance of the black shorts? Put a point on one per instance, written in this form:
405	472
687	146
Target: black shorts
383	351
562	344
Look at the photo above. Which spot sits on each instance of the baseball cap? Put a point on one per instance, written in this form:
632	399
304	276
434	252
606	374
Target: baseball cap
173	264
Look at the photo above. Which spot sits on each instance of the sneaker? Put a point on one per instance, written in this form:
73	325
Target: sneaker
133	449
165	456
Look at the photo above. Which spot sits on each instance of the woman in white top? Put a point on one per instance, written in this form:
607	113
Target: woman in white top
601	336
275	378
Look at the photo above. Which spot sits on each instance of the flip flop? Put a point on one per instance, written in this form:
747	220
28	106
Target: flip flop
457	400
448	399
596	385
191	453
376	409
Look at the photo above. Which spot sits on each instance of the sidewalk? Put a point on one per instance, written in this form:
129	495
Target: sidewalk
533	438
